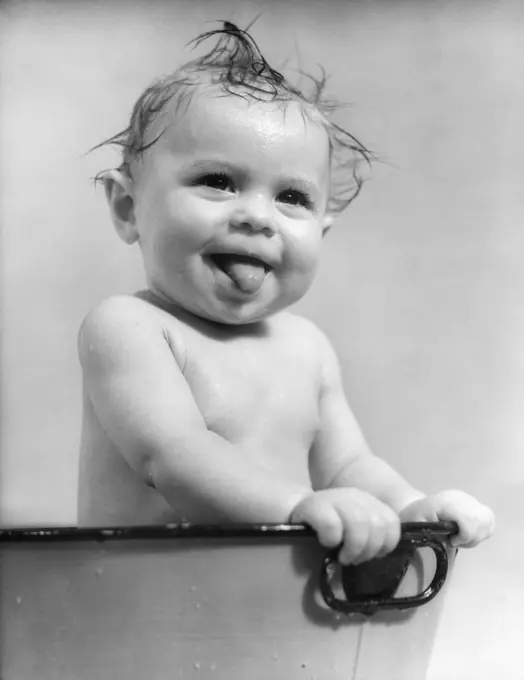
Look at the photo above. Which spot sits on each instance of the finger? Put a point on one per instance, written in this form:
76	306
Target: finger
473	532
391	536
467	535
370	550
356	536
489	526
384	536
328	525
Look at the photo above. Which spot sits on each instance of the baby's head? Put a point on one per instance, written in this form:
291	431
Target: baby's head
230	176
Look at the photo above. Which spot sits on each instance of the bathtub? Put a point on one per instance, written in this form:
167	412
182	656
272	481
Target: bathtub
236	602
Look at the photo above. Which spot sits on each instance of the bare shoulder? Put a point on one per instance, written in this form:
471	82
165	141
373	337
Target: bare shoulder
121	322
113	310
291	323
114	317
296	326
306	334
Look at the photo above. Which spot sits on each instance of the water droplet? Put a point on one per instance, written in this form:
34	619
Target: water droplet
18	599
196	665
197	605
274	657
99	571
213	666
193	589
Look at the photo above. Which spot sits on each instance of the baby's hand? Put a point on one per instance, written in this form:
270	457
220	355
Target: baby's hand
365	526
475	521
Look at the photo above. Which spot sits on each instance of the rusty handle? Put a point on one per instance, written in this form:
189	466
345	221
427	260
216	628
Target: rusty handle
414	535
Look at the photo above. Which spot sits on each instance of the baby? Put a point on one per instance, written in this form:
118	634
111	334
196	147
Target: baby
204	399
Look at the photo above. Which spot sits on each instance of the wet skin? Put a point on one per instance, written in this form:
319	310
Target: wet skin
228	209
205	399
235	183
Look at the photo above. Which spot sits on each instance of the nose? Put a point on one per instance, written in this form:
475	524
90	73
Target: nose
254	214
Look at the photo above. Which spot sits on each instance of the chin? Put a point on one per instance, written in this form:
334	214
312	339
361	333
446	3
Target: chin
240	316
232	319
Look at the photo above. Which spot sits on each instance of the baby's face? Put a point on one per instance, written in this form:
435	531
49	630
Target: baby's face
230	207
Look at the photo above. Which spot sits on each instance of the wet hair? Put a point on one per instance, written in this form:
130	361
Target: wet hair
236	65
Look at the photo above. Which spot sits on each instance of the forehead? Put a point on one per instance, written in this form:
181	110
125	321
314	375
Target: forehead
278	135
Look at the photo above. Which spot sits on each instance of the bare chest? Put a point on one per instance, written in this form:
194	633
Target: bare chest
255	390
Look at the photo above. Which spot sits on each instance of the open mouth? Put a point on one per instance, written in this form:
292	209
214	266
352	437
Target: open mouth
245	271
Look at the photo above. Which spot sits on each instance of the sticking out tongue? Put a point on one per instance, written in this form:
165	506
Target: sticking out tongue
246	272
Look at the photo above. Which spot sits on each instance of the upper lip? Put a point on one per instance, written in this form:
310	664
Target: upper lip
267	259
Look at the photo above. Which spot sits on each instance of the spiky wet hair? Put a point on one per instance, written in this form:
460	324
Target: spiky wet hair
236	65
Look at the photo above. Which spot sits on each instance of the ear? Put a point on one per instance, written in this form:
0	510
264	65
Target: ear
327	222
119	193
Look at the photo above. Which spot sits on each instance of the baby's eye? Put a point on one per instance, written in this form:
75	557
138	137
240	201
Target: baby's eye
217	180
295	197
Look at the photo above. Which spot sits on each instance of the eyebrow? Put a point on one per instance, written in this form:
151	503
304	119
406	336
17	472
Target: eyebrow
211	165
219	165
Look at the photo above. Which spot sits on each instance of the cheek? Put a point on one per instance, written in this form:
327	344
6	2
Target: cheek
303	249
176	226
194	220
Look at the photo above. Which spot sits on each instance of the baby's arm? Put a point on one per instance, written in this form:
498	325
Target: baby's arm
341	460
340	456
146	407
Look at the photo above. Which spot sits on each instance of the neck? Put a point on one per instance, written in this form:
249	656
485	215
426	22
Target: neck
210	327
